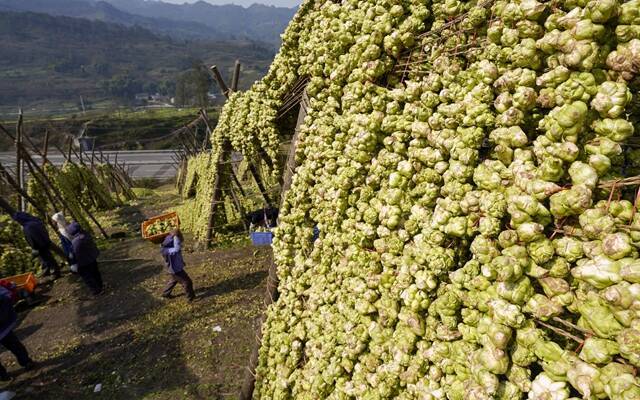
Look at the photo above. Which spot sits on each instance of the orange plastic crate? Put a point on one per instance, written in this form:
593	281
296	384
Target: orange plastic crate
157	238
24	281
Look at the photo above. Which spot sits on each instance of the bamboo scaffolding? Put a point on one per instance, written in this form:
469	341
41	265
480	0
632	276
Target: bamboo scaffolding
84	209
11	211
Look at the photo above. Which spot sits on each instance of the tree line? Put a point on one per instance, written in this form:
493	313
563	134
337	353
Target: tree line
189	88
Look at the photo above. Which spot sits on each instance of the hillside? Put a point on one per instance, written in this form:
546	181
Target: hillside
258	21
201	21
53	60
105	12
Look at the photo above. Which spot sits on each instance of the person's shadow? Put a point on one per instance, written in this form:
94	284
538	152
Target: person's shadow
243	282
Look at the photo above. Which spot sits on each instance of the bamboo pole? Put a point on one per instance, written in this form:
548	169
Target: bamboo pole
93	153
290	166
70	146
261	187
212	209
223	87
19	164
119	177
207	123
239	207
45	147
237	182
236	76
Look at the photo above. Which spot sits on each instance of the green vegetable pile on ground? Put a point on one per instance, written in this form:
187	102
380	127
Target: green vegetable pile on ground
460	161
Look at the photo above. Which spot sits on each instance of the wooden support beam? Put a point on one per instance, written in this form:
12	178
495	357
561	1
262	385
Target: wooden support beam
214	202
217	189
19	163
209	130
236	76
290	166
93	152
194	139
69	148
238	204
223	86
261	187
237	182
45	147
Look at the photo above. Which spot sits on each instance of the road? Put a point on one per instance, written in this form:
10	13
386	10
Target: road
157	164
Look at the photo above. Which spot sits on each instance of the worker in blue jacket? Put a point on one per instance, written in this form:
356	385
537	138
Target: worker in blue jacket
85	255
8	321
38	238
171	249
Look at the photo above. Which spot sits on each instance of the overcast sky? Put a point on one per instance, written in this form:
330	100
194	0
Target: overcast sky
280	3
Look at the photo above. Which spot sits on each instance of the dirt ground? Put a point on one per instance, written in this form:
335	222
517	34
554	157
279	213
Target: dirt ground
134	343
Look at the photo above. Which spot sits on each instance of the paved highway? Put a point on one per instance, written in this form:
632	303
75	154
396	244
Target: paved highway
157	164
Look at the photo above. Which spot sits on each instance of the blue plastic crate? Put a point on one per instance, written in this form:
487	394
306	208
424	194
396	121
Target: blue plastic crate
261	238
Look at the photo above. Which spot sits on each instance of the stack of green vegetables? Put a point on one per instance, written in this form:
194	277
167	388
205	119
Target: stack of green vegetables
79	187
197	190
161	226
15	253
458	160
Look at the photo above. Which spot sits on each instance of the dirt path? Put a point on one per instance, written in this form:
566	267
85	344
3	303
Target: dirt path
135	343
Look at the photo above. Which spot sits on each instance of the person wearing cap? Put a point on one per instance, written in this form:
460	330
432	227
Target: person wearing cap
38	238
85	254
8	339
65	239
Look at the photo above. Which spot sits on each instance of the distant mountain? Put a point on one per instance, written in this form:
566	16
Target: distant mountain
244	3
103	11
257	21
44	57
197	20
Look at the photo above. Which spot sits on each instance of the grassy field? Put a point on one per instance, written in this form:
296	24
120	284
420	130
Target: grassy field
134	343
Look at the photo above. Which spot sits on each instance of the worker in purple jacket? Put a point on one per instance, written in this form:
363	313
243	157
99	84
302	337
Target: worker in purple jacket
85	255
172	254
38	238
8	321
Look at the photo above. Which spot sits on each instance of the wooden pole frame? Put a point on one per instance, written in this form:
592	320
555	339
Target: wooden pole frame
86	211
9	210
223	86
